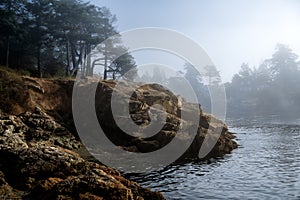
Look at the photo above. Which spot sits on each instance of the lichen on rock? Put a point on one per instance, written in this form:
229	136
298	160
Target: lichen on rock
37	161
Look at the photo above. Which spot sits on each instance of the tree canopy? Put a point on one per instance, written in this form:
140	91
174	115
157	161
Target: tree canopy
272	89
56	37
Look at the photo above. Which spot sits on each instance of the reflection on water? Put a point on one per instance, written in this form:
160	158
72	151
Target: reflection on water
265	166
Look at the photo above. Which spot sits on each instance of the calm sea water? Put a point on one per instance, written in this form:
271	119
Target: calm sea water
265	166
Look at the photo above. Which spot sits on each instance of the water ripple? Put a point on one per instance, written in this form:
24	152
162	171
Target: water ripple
266	166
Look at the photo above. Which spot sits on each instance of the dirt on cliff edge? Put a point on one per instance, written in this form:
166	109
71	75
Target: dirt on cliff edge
19	94
22	93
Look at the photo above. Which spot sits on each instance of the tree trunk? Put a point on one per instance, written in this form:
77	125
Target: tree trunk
105	69
68	59
39	61
73	58
105	64
9	5
7	52
89	69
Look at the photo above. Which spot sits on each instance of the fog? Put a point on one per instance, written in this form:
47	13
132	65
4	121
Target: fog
231	32
254	46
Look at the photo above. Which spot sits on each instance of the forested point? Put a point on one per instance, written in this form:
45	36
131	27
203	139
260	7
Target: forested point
270	90
46	38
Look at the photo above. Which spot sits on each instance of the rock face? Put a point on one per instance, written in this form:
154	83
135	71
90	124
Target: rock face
37	161
141	113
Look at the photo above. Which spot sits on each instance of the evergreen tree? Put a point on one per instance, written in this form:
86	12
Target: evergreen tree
56	36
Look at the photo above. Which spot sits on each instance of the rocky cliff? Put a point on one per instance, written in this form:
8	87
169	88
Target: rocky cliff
41	154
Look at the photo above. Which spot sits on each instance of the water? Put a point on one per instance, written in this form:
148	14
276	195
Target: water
265	166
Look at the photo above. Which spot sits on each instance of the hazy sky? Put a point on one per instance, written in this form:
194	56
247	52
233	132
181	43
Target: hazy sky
231	31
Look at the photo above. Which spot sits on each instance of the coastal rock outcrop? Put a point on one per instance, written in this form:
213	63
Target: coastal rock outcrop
41	154
141	111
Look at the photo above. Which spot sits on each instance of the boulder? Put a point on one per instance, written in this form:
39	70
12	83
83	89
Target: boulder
142	112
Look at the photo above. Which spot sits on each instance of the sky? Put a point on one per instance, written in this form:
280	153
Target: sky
230	31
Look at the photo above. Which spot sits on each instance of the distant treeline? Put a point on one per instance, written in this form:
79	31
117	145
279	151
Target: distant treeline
270	90
51	37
